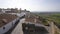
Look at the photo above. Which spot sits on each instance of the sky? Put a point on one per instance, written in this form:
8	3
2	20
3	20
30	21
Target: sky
32	5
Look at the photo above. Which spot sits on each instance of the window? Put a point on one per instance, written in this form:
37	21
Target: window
3	27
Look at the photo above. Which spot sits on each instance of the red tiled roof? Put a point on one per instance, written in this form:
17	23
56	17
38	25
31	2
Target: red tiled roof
32	19
6	18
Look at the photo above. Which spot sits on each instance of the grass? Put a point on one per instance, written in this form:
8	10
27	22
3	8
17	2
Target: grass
51	17
55	18
43	20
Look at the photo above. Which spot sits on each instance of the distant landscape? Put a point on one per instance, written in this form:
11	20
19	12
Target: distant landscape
52	16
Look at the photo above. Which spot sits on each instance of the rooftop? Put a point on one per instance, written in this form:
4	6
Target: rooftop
6	18
33	19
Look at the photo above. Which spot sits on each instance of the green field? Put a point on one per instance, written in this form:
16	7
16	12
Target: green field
51	17
54	17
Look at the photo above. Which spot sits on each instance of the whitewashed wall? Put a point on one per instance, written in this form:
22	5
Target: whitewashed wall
11	24
8	26
18	14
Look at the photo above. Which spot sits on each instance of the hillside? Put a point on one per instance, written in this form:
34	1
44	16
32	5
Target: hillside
52	16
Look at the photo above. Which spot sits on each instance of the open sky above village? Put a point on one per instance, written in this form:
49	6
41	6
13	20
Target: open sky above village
32	5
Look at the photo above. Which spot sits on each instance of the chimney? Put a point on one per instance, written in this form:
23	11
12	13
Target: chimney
35	20
20	10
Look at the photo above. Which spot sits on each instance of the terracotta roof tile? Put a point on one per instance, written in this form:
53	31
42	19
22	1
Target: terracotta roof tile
32	19
6	18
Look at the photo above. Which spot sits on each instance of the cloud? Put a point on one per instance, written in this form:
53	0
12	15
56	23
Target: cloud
33	5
